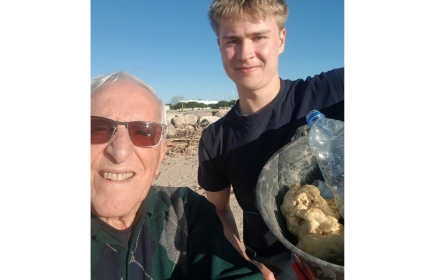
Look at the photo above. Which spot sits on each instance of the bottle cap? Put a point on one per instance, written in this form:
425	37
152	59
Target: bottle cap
312	116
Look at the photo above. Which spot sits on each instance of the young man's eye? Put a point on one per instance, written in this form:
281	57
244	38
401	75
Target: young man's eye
231	42
259	38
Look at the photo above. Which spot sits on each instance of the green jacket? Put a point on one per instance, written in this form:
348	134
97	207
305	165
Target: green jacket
176	235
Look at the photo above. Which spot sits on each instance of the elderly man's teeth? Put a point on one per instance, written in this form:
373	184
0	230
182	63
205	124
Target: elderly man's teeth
117	177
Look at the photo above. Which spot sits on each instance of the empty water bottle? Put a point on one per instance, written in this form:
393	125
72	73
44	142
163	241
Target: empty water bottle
326	140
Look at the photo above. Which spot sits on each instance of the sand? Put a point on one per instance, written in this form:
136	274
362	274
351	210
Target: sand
181	171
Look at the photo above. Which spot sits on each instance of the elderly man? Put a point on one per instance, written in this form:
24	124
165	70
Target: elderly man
139	231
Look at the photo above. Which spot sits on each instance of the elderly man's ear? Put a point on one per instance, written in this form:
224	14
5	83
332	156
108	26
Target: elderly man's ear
163	152
162	155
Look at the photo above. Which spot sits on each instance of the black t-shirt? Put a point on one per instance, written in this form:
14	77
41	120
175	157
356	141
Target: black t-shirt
234	149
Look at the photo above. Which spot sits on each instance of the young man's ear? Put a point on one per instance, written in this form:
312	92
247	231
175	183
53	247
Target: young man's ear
282	35
219	43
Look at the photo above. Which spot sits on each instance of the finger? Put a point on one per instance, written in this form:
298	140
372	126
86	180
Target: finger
267	274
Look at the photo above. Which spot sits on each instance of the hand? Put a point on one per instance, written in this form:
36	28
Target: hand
267	274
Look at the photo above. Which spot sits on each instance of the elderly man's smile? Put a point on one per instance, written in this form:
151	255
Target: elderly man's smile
117	176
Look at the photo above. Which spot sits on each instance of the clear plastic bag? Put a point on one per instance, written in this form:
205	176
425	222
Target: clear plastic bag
326	140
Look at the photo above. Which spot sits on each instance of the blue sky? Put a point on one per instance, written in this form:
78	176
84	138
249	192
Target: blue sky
173	48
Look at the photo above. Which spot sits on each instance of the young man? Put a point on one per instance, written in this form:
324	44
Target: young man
233	150
139	231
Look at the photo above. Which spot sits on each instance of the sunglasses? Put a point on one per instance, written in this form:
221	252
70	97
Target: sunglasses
142	134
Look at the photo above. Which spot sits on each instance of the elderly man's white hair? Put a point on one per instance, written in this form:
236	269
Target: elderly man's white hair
98	81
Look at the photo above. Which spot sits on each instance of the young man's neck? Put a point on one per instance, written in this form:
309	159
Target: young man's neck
253	101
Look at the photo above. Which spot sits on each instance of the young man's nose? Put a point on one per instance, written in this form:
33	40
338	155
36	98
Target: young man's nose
246	50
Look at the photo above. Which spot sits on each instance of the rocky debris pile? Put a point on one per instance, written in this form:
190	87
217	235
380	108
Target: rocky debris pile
184	128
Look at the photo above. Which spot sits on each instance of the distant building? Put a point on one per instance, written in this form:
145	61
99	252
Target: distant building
206	102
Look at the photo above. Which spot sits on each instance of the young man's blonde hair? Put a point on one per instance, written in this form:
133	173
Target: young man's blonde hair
247	10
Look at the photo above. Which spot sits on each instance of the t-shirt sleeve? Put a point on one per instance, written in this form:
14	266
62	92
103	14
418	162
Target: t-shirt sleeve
211	175
335	108
323	92
211	255
336	79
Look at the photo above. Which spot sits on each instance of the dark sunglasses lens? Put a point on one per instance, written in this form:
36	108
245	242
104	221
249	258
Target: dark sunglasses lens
144	134
101	130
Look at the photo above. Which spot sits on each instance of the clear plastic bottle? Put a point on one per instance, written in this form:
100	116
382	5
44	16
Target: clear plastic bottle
326	140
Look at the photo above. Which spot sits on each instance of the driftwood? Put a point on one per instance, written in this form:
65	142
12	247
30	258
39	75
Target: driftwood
185	142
